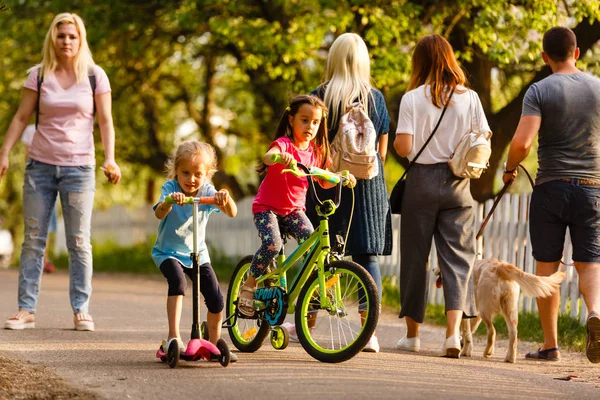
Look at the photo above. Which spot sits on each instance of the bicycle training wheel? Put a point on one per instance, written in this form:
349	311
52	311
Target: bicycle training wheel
247	335
337	333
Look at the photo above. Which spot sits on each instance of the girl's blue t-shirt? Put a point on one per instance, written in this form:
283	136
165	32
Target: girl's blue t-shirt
175	232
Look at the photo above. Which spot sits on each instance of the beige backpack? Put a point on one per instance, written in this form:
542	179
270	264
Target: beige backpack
354	146
472	155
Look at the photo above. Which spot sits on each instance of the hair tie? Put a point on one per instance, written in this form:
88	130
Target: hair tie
288	109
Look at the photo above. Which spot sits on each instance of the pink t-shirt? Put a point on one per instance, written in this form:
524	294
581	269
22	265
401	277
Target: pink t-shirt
65	134
284	193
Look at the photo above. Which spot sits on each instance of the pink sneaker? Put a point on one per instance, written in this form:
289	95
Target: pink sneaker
83	322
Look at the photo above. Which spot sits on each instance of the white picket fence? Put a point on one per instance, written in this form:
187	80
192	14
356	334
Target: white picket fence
506	237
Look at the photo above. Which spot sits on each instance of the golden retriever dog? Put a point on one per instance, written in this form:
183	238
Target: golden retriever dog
497	292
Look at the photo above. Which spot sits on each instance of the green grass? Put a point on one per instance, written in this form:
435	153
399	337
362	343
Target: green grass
391	292
111	257
571	334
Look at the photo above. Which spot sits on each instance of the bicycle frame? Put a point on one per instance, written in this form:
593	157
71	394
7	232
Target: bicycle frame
318	248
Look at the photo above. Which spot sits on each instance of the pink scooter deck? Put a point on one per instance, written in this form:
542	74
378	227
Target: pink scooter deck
197	349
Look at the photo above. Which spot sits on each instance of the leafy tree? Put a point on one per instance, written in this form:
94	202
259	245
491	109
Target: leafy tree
226	69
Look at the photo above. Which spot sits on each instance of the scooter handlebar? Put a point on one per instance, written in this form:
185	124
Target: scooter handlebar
192	200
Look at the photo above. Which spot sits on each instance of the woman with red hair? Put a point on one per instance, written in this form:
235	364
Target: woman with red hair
437	205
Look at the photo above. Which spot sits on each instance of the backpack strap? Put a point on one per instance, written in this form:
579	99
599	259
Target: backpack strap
92	78
40	79
474	111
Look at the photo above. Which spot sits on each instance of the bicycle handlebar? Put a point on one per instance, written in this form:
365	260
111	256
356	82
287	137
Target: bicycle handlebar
328	176
192	200
300	170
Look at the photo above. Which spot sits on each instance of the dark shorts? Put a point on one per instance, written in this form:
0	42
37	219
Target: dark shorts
556	205
209	285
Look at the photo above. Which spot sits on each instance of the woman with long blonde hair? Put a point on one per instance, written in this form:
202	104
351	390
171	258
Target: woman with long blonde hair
437	205
348	80
67	89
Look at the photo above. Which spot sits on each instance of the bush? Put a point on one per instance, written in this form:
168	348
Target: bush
112	257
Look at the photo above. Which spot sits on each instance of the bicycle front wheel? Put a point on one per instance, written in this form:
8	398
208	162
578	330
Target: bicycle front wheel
247	335
338	332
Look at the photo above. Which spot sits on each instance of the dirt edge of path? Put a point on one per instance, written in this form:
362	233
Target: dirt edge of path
22	380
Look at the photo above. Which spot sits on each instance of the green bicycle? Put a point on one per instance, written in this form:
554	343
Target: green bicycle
336	302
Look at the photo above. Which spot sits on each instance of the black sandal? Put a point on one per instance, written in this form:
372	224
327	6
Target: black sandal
552	354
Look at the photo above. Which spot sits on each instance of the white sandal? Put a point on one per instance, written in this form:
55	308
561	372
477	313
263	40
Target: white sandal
246	304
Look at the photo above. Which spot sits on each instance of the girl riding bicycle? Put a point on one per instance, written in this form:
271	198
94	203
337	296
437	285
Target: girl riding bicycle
190	170
301	136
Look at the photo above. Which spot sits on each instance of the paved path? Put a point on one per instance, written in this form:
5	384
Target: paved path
117	361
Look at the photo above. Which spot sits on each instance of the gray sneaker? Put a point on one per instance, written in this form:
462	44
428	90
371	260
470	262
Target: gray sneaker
232	357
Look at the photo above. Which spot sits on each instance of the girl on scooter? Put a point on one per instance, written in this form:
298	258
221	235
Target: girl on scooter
189	171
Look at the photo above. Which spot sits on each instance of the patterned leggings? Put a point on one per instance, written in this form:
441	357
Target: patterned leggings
295	224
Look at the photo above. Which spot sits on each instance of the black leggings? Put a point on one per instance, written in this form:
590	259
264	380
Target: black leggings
209	285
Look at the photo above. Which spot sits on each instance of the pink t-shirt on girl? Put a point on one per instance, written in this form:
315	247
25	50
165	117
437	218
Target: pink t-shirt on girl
284	193
65	133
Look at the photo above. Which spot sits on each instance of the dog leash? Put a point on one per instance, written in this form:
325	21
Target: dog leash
498	198
438	282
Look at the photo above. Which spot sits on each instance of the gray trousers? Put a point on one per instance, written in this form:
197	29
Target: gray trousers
436	205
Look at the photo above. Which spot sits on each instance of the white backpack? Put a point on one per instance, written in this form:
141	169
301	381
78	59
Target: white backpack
354	146
472	155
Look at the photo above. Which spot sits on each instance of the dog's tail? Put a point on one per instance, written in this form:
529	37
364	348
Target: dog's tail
531	285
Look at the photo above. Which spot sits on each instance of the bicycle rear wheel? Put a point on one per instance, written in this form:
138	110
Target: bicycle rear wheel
247	335
335	334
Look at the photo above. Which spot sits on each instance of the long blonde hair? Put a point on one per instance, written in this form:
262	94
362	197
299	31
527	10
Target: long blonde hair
434	64
83	58
190	150
347	74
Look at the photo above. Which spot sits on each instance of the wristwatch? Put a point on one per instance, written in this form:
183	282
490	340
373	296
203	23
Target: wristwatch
508	171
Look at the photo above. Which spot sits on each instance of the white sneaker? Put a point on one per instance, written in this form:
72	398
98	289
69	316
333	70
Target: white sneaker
451	347
291	328
167	342
372	345
409	344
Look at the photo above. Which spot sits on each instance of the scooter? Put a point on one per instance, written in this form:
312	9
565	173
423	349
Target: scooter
198	347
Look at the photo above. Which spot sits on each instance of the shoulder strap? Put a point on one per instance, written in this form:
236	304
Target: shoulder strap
92	79
475	110
474	113
430	136
40	79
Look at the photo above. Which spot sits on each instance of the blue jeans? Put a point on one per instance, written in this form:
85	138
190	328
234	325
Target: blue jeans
76	187
370	262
